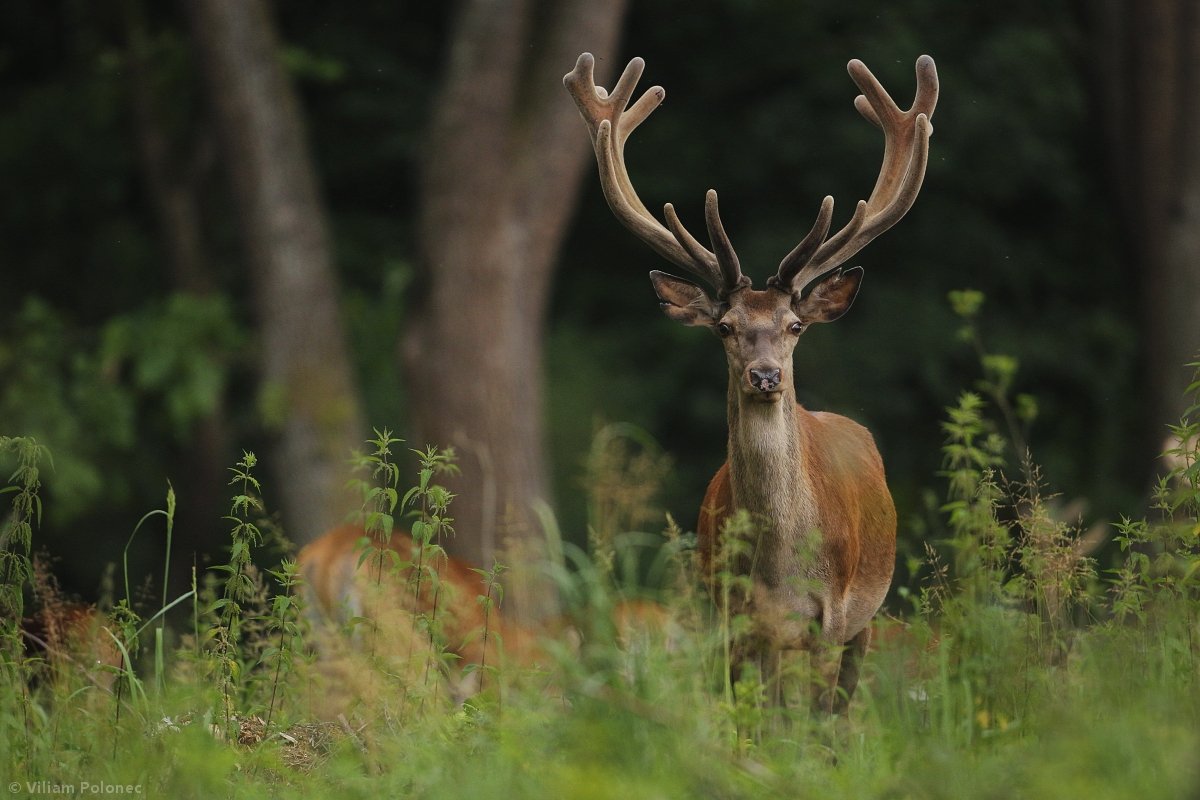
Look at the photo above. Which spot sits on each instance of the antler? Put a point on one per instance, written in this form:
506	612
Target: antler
905	154
610	120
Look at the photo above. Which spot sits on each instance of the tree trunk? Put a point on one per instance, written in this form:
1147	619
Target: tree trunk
1149	61
305	368
506	155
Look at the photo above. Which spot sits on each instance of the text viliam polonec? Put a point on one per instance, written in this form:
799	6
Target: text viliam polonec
77	789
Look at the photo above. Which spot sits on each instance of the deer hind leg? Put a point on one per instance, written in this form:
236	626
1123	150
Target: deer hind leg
759	656
772	675
852	660
826	655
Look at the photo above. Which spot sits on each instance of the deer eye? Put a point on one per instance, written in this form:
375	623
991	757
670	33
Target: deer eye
797	328
724	329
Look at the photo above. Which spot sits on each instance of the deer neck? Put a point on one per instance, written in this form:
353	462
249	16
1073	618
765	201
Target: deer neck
769	475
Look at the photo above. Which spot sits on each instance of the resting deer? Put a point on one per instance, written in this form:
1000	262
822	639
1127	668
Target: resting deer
341	582
349	574
814	481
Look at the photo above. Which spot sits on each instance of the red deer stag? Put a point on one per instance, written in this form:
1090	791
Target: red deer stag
813	480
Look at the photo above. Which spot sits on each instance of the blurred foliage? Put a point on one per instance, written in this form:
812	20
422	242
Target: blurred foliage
178	351
108	363
56	390
107	396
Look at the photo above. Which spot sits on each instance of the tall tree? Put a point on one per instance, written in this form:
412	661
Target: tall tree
303	349
1150	86
506	154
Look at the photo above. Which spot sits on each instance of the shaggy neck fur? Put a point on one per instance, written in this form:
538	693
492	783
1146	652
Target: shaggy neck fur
768	477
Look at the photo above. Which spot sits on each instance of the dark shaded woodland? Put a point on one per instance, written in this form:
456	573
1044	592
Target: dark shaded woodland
238	225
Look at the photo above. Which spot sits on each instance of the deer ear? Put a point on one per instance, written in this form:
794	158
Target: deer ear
684	301
830	297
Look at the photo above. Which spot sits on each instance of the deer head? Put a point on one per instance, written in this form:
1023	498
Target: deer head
759	328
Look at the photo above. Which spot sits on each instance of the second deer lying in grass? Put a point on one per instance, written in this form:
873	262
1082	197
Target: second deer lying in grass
415	613
345	580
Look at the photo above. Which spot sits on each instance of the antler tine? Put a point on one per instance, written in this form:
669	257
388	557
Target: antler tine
905	156
794	261
610	120
731	269
696	251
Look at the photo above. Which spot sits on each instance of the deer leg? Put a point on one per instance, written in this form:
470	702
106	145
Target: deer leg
827	662
763	657
826	658
771	675
847	678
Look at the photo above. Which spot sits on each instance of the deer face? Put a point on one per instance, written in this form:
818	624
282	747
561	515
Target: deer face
759	329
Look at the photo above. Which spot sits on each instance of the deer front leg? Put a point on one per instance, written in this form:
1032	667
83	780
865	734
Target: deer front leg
771	672
826	655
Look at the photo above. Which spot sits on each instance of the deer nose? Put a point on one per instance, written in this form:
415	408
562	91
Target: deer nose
765	380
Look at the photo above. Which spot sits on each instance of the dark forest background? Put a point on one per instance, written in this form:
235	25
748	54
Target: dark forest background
236	226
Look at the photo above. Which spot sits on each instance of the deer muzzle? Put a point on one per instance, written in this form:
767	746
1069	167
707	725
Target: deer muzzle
765	379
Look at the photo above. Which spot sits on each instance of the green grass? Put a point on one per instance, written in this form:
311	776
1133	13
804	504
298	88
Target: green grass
1019	669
